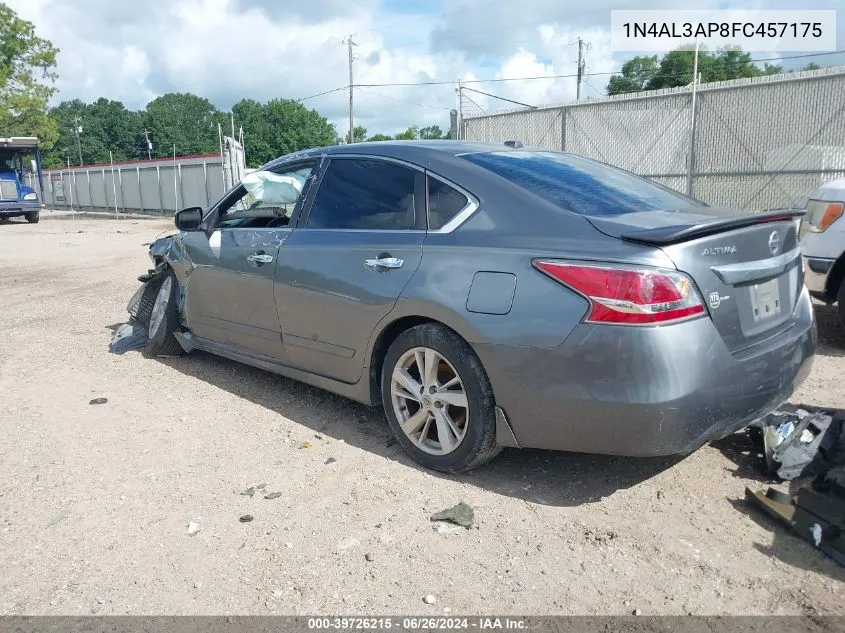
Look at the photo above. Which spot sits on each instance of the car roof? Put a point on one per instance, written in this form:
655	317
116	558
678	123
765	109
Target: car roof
413	151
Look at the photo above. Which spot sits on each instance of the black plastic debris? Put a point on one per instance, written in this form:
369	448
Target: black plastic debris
273	495
129	336
806	445
246	518
800	443
98	401
461	514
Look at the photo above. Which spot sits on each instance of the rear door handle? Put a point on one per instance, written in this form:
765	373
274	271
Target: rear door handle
259	259
384	262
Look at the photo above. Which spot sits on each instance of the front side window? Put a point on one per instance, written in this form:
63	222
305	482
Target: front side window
365	194
580	184
266	199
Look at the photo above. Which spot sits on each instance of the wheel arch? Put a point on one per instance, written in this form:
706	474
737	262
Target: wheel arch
835	277
392	326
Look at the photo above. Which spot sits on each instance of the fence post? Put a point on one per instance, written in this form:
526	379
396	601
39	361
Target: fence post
105	191
122	194
205	182
563	129
691	155
140	192
160	196
181	186
90	197
76	191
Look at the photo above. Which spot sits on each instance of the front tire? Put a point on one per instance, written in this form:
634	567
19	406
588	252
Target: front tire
840	299
32	217
164	320
438	400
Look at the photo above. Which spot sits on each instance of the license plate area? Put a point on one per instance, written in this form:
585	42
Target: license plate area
766	302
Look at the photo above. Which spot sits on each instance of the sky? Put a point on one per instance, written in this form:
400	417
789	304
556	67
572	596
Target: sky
227	50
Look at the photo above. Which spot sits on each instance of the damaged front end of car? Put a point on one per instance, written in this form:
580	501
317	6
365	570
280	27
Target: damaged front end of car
134	333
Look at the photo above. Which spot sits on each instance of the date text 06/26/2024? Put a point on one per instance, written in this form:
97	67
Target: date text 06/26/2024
415	623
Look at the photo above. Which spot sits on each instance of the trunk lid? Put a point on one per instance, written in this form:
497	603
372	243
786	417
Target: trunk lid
747	267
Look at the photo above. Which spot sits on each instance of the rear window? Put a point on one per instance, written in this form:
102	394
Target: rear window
580	184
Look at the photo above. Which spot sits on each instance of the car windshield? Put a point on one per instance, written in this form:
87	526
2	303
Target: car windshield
580	184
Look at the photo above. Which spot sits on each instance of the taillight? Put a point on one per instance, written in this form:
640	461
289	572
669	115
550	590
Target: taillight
632	295
832	212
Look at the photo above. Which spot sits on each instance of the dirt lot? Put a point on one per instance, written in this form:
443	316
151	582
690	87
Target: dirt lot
94	500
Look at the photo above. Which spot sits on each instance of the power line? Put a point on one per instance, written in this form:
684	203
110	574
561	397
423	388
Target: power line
472	101
320	94
502	98
423	105
570	75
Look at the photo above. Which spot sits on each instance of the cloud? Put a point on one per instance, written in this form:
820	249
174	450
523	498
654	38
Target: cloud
227	50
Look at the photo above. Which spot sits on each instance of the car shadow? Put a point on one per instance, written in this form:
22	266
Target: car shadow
542	477
830	331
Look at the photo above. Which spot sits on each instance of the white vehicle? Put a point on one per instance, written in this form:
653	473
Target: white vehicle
823	244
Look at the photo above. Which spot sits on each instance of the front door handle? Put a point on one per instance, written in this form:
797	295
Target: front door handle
259	259
384	262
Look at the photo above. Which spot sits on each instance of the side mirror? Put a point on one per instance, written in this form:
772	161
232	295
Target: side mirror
189	219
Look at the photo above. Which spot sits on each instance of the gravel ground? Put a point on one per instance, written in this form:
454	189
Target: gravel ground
95	499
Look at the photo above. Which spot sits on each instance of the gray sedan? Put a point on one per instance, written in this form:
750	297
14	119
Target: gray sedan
490	296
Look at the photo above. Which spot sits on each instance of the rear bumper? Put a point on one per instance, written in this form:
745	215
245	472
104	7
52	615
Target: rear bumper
645	391
816	270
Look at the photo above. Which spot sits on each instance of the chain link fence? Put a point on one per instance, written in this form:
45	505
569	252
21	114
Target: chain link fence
753	144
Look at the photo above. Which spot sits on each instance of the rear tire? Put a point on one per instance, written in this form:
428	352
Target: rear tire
32	217
449	417
164	320
840	299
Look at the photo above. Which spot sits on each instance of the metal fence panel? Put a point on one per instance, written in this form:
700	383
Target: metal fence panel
756	144
159	186
193	185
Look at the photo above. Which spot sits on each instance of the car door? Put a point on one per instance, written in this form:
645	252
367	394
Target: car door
229	291
344	266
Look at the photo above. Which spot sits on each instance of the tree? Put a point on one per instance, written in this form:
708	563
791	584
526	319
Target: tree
432	132
410	134
811	66
183	119
279	127
675	68
23	93
380	137
360	134
772	69
636	74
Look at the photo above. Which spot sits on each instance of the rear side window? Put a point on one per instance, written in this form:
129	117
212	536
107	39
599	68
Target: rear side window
580	184
364	194
444	203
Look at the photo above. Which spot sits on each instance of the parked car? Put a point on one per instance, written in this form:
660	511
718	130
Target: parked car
823	244
490	296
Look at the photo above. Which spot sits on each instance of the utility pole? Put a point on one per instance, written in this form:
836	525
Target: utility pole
460	110
149	145
580	67
78	128
350	43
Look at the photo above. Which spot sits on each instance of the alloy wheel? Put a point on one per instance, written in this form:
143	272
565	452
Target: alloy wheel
429	401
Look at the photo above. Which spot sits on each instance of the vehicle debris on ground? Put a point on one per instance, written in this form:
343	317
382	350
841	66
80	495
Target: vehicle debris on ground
806	446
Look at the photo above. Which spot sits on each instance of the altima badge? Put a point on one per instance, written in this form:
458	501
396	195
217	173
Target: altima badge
716	300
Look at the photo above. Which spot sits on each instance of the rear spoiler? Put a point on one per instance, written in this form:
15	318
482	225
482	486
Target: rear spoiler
665	235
